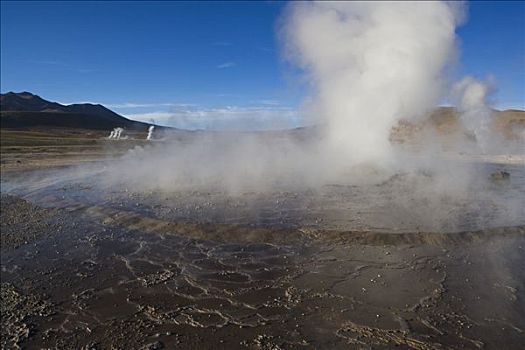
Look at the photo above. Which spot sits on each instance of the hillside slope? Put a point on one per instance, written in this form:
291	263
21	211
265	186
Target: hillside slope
26	110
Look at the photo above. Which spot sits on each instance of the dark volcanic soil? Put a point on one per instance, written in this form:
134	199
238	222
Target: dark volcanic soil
22	223
82	277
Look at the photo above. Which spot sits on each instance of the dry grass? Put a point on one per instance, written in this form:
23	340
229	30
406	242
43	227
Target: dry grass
26	149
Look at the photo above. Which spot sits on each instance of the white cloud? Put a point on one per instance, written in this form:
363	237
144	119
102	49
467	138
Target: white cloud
79	102
265	114
269	102
48	62
221	43
131	105
226	65
228	117
62	65
265	49
144	105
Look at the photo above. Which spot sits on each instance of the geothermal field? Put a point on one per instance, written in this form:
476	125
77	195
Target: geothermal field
386	221
417	258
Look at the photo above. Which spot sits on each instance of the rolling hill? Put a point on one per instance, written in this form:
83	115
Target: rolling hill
26	110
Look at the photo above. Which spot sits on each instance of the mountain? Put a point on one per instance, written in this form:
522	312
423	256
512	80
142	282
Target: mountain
510	122
26	110
446	121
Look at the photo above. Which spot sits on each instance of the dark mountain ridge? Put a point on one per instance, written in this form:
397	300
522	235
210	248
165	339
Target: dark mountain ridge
26	110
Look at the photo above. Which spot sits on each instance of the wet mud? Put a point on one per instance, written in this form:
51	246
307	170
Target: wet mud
84	268
468	198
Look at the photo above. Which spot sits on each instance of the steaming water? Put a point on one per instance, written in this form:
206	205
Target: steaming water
425	201
370	64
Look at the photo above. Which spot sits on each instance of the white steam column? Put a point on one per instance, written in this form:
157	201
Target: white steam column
372	63
150	132
115	134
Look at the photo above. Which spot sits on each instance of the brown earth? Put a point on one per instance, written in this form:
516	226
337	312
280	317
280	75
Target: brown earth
95	276
445	123
72	279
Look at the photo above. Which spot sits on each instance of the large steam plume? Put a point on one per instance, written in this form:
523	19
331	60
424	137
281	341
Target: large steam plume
370	64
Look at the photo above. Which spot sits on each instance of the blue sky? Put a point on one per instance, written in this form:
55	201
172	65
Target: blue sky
210	64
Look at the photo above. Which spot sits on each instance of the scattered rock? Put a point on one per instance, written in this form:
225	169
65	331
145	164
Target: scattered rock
500	175
153	346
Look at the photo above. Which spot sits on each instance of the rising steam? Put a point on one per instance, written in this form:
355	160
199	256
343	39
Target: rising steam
370	65
470	97
150	132
116	134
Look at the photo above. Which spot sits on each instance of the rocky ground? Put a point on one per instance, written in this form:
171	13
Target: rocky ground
87	267
80	278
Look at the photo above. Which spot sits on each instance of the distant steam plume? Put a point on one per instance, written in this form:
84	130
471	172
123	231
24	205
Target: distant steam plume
116	134
150	132
470	97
